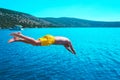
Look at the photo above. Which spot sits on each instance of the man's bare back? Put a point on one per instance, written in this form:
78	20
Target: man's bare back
61	40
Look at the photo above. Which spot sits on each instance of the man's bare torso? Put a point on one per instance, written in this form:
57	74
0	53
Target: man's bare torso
61	40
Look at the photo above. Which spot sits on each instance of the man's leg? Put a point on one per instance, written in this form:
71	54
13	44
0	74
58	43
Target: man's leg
21	38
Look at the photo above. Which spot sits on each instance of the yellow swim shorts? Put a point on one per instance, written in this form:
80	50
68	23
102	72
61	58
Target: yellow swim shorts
47	40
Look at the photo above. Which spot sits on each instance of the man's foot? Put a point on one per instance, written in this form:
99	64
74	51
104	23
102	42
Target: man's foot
13	40
16	34
15	37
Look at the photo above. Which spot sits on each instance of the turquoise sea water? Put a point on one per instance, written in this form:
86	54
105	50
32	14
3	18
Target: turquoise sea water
98	55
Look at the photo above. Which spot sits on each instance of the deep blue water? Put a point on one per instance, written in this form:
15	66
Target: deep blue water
98	55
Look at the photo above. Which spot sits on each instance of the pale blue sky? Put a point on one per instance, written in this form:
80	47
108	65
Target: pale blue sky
100	10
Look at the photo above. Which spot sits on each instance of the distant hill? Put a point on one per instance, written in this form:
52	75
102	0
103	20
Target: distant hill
75	22
9	18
